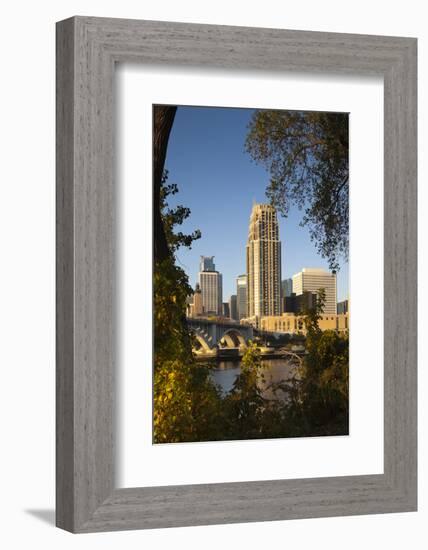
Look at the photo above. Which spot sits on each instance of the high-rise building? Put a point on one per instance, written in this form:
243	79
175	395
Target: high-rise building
287	287
211	284
312	280
196	308
343	307
233	309
207	263
226	309
241	296
212	292
263	263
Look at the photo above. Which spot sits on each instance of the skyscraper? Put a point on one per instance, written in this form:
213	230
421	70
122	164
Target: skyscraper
311	280
263	263
196	308
226	309
241	296
207	263
287	287
286	292
343	307
211	284
233	310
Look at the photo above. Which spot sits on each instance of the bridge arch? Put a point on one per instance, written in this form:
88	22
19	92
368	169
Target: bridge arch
233	338
203	344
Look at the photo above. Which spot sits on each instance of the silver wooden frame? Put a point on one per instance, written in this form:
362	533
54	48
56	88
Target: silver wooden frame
87	50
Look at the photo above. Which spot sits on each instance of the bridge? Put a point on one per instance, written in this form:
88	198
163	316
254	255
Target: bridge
212	335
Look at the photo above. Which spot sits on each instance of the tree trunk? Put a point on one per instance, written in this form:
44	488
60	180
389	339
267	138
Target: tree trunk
163	118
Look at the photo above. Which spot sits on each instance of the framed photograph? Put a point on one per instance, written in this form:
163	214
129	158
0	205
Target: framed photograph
236	274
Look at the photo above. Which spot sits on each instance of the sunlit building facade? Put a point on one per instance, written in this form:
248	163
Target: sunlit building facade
211	285
290	323
312	280
195	309
263	263
212	292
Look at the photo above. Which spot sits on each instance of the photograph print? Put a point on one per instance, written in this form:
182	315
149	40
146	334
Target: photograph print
250	274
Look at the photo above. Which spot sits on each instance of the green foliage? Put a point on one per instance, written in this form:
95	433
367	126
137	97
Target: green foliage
320	396
185	398
171	285
171	289
244	405
313	315
171	217
306	154
186	403
323	388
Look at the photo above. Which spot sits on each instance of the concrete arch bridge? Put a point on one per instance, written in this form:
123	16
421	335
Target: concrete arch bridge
219	337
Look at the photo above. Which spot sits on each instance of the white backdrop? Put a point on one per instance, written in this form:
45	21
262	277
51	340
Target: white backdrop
27	273
214	462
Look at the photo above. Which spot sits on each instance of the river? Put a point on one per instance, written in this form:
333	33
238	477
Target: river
275	370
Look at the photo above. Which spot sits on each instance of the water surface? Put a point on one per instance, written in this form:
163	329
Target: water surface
275	370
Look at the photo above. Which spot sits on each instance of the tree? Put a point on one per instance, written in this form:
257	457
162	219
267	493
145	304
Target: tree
313	315
163	118
186	400
171	217
171	284
306	154
245	403
320	401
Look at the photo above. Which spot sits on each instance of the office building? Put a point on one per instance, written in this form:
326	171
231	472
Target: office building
195	308
263	263
197	301
212	292
211	285
287	287
343	307
233	307
226	309
207	263
312	280
241	296
291	323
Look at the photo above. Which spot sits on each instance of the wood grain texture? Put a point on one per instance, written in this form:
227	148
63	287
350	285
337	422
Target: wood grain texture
64	276
87	49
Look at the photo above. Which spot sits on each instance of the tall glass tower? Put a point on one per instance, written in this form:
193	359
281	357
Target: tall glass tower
263	263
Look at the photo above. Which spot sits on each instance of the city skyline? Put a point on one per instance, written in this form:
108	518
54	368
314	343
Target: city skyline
219	186
316	278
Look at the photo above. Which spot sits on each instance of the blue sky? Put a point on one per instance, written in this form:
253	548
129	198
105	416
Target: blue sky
218	181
